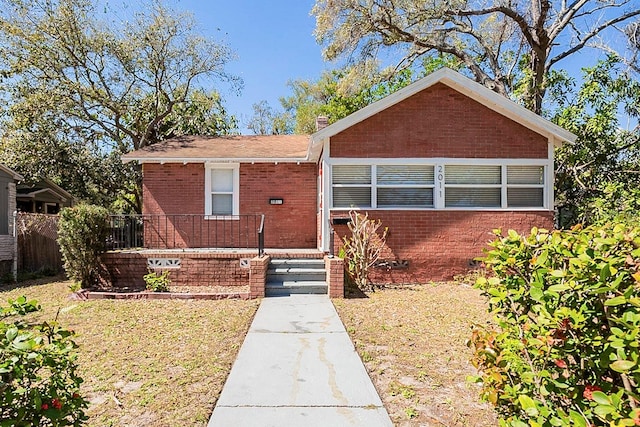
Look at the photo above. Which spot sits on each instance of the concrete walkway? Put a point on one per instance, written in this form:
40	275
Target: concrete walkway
298	367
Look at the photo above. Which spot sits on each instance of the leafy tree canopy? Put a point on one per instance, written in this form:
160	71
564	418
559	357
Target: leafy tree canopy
340	92
598	176
265	121
80	89
504	45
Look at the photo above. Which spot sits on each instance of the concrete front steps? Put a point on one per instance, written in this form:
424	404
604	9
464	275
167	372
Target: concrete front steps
287	276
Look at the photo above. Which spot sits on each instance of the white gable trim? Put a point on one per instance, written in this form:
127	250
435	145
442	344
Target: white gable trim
467	87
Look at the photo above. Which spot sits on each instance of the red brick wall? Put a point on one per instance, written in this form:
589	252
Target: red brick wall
438	122
125	269
173	188
335	276
258	276
441	243
292	224
179	189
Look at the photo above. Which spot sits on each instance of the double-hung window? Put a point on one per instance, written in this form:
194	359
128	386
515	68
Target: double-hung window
469	186
493	186
352	186
525	186
221	190
407	186
382	186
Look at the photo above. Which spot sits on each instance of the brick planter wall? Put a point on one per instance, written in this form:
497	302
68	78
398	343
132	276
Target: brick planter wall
198	268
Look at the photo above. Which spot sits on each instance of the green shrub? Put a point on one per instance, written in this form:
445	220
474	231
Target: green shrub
82	233
39	385
566	347
157	282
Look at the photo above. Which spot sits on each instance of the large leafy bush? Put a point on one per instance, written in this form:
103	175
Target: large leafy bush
38	381
82	233
566	347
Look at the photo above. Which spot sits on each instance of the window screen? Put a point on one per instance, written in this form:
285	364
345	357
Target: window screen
473	186
525	186
525	175
351	186
404	185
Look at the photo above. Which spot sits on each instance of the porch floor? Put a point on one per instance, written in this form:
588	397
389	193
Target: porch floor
272	252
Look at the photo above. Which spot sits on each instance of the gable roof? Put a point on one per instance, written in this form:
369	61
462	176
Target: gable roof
305	148
45	185
196	149
462	84
15	175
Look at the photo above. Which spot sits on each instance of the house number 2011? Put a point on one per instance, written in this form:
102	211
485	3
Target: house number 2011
440	179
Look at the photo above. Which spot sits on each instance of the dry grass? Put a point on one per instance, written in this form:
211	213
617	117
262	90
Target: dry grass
412	340
148	363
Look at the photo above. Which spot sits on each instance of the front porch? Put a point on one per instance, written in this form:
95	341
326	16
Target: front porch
238	265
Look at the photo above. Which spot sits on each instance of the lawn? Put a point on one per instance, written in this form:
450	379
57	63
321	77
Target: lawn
163	363
413	343
148	363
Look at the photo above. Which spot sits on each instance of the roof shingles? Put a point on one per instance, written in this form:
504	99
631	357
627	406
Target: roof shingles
212	148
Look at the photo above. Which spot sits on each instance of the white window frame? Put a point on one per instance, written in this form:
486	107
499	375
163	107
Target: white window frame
370	186
472	186
374	186
209	167
439	187
507	186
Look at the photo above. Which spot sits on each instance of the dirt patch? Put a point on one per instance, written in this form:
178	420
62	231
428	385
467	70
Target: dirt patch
413	343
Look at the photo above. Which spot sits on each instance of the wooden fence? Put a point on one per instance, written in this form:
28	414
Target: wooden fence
37	245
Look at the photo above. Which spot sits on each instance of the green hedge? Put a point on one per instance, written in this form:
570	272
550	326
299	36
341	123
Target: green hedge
82	235
565	348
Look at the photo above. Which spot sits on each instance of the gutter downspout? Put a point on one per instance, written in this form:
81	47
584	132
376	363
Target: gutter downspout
14	267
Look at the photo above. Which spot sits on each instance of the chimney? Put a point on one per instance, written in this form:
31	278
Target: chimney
321	122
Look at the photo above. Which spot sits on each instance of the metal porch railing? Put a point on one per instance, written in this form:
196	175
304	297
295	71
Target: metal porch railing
182	231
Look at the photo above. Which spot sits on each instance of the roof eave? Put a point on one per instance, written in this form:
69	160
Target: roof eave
34	194
185	160
15	175
61	192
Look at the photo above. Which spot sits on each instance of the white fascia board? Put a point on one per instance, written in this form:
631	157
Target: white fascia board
15	175
467	87
216	160
379	106
315	149
436	160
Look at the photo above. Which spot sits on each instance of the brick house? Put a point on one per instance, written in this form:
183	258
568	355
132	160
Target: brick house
442	163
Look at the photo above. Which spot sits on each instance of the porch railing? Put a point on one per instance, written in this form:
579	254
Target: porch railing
182	231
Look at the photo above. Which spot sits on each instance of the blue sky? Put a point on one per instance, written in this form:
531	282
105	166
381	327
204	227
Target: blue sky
274	43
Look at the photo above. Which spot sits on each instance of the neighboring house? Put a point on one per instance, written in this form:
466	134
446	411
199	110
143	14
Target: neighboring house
441	162
43	196
8	180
